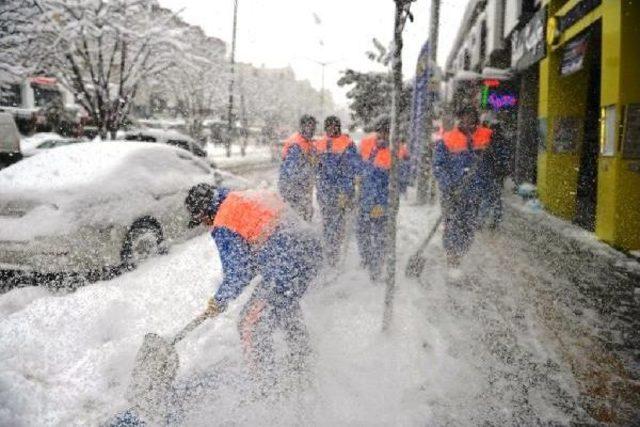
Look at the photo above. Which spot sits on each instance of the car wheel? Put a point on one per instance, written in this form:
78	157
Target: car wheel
143	240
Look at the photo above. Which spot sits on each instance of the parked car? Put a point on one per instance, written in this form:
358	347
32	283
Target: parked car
39	142
79	208
10	151
168	137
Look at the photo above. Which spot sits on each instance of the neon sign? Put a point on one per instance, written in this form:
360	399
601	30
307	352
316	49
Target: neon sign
502	101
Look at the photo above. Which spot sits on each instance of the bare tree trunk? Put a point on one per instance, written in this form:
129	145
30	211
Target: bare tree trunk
393	178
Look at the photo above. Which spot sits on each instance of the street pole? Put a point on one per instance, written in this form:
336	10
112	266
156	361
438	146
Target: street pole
230	124
394	197
323	64
426	185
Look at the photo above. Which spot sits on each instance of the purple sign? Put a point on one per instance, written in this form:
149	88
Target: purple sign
502	101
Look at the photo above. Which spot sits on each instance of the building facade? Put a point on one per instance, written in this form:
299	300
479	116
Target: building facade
575	68
589	117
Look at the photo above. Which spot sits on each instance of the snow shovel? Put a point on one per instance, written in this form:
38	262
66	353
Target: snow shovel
417	262
155	369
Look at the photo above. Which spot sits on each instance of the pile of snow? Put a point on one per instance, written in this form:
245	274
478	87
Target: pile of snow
29	143
452	356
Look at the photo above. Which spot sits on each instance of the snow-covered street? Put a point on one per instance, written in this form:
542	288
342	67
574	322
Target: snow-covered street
485	351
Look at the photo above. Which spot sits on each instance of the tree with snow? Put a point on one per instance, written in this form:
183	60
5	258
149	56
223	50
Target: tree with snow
102	51
198	85
16	31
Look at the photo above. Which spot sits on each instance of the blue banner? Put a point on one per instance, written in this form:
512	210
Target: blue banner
423	99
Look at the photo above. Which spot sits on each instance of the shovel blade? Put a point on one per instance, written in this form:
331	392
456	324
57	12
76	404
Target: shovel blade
415	266
155	368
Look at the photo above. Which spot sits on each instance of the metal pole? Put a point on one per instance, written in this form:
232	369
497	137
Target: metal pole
394	135
426	184
230	124
323	64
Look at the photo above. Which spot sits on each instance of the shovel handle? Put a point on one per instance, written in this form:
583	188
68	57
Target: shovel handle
432	233
189	327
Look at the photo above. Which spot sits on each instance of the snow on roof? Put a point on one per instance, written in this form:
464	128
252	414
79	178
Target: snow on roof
71	165
31	142
161	134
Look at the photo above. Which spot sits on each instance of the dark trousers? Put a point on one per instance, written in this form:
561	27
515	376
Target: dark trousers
300	201
334	221
260	317
490	213
460	216
372	237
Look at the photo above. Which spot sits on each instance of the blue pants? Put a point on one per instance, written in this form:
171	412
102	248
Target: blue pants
334	220
460	224
372	237
490	212
261	316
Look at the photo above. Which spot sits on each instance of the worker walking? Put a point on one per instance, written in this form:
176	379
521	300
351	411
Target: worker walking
373	200
462	172
336	169
257	234
295	181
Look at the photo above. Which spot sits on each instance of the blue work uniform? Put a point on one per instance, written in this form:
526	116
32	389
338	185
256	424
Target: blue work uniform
337	164
256	234
463	178
295	180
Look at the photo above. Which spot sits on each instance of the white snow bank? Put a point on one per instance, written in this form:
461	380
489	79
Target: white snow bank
67	359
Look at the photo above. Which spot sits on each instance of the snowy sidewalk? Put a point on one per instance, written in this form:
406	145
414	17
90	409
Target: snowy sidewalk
256	157
512	346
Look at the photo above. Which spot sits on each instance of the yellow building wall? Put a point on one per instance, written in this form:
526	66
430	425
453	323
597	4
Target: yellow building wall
618	204
560	97
622	23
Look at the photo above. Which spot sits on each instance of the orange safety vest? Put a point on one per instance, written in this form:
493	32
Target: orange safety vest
297	139
367	144
382	158
456	140
338	144
252	214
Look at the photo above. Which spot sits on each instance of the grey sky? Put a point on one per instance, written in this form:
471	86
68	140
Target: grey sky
278	33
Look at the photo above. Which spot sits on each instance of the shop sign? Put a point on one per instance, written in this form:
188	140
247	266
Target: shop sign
631	139
576	13
502	101
573	55
528	45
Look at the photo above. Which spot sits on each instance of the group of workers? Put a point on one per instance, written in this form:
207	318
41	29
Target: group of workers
345	177
261	233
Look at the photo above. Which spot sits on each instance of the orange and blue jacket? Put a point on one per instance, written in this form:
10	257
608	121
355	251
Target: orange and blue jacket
297	167
458	153
337	164
375	156
254	237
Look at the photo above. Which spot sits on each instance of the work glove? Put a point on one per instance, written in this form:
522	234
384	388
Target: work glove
213	308
343	201
377	211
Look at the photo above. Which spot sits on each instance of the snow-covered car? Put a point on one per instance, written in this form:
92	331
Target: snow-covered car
39	142
10	149
169	137
83	207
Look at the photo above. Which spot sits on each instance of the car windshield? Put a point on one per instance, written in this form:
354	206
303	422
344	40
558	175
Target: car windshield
320	213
